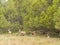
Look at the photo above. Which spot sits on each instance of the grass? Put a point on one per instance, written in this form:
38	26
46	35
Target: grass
28	40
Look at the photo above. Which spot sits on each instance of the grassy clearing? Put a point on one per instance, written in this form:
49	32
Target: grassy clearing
27	40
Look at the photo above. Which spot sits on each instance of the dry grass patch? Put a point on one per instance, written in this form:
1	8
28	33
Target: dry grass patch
27	40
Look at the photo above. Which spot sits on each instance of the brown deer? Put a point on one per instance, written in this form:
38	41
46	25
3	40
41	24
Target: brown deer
33	33
22	33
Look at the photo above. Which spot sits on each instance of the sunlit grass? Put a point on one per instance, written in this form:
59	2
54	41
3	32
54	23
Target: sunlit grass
28	40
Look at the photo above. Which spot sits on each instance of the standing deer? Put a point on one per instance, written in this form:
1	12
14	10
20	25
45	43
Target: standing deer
9	31
22	33
33	33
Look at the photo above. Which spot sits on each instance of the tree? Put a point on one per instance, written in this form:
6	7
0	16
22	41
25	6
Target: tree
57	18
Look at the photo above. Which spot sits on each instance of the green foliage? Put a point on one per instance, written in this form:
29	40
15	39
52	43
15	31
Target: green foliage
57	18
30	14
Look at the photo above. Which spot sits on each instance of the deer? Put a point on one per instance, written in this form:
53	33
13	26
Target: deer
9	31
22	33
